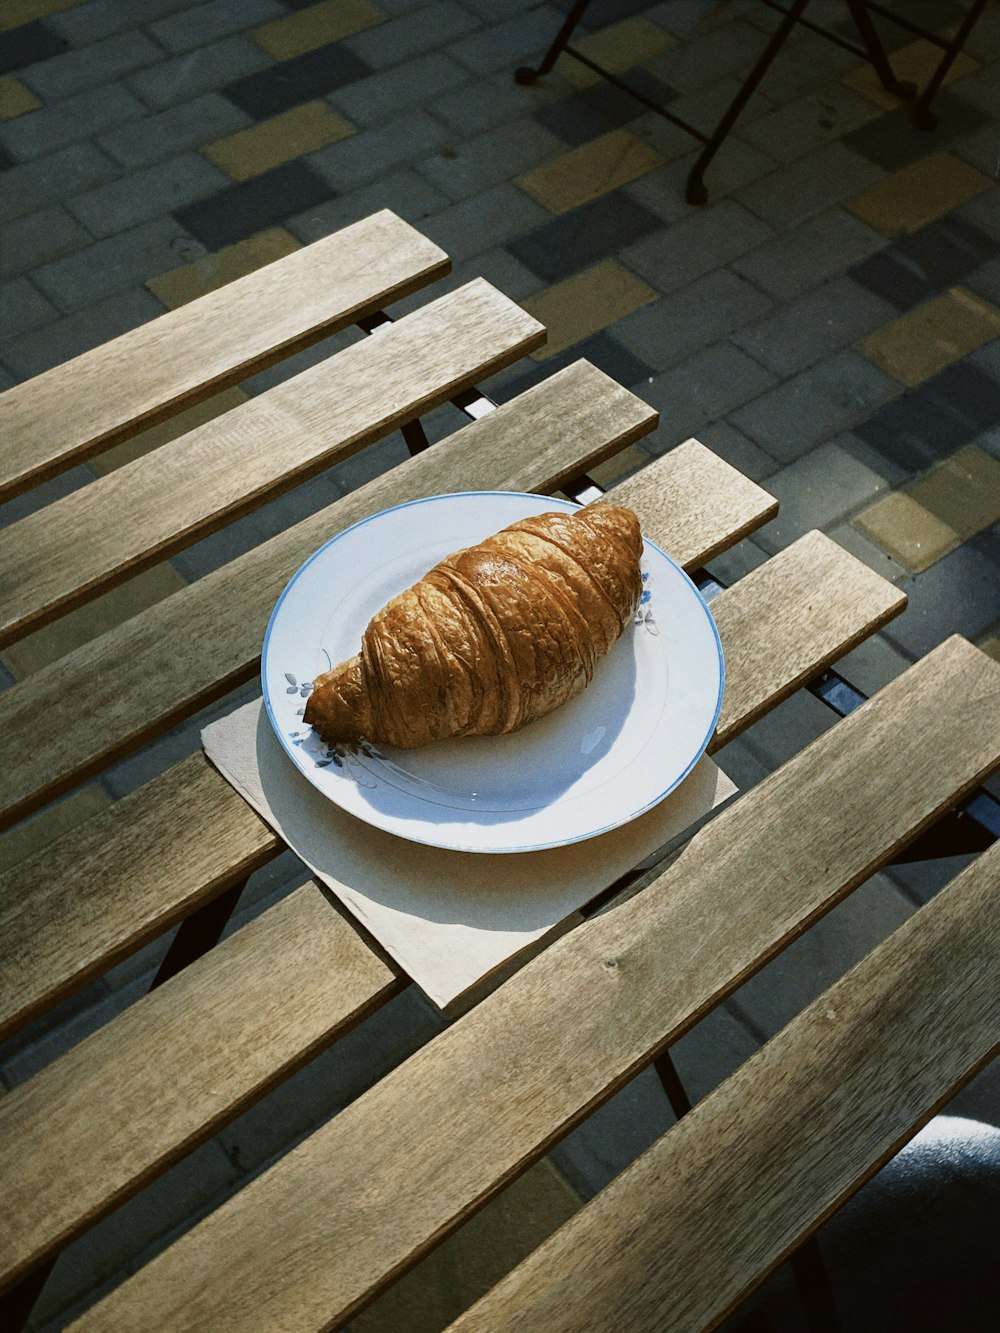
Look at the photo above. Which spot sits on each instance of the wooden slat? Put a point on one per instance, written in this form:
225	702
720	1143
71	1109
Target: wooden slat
139	514
129	684
68	413
137	1095
53	1204
701	1218
309	1242
122	877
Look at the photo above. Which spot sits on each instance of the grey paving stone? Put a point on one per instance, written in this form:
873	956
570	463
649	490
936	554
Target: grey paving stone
463	169
664	190
827	950
99	62
404	191
986	281
674	256
38	238
931	421
921	880
814	325
816	491
380	97
486	103
31	185
926	262
586	234
740	763
692	317
23	308
362	157
147	193
300	79
595	110
496	265
799	127
601	349
809	186
29	502
81	117
790	727
983	211
103	18
411	34
115	264
66	338
193	27
814	405
854	540
709	57
699	391
689	18
797	261
979	149
509	42
241	209
200	71
167	133
491	218
7	381
705	107
872	665
732	445
958	595
737	562
488	10
369	463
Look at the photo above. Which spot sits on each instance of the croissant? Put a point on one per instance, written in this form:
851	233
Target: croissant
493	637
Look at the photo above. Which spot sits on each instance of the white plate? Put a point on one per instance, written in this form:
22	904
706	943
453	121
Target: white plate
598	761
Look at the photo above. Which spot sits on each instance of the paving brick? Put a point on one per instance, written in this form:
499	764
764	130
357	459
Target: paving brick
958	595
814	325
27	44
98	63
404	191
15	99
193	27
699	391
926	262
595	168
704	108
316	25
584	304
81	117
816	491
802	126
32	185
702	241
142	142
491	218
592	112
692	317
571	242
206	69
809	186
151	438
665	191
731	444
103	18
813	405
495	100
601	349
932	421
819	249
507	43
146	194
919	344
361	158
983	212
39	238
23	308
303	129
115	264
411	34
314	74
380	97
177	286
66	338
241	210
872	665
489	159
709	57
914	63
893	141
919	193
617	47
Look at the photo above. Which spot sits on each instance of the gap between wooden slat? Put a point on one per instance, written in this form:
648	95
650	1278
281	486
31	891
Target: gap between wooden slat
308	1243
139	514
691	1227
125	687
67	414
110	1067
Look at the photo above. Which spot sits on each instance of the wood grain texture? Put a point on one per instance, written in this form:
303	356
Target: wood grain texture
57	930
104	396
701	1218
247	1014
309	1242
133	682
137	515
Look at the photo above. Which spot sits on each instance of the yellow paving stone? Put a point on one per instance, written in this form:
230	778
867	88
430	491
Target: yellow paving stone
910	533
209	272
927	339
15	12
915	63
316	26
15	99
631	42
963	491
589	171
279	139
112	608
919	193
38	831
618	466
174	426
585	303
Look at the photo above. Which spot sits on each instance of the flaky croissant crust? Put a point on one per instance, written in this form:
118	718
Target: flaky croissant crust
493	637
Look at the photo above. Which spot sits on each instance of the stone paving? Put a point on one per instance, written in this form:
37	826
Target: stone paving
829	323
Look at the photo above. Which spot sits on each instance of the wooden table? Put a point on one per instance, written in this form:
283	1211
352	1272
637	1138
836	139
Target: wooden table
734	1186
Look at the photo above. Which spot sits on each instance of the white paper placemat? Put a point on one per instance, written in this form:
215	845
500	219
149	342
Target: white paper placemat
448	918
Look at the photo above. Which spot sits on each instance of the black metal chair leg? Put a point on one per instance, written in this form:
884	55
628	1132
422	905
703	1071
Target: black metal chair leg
528	75
876	51
696	191
923	118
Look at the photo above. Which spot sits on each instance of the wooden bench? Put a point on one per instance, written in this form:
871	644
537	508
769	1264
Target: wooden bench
402	1167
